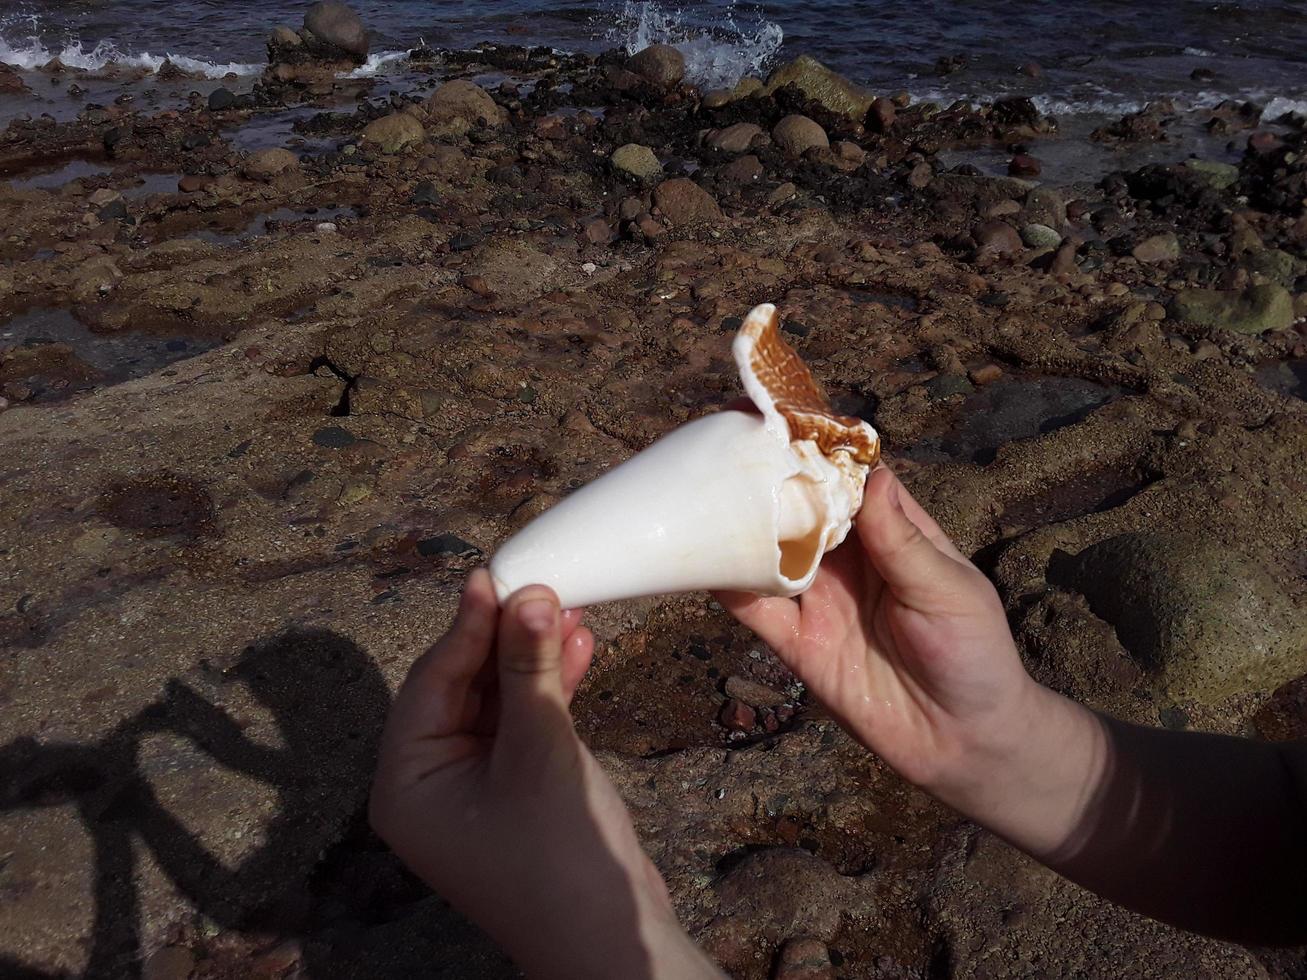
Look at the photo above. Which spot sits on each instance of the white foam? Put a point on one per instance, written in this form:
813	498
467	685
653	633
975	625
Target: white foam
378	63
32	53
713	59
1279	105
1199	53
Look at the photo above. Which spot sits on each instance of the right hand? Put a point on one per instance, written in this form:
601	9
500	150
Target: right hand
906	642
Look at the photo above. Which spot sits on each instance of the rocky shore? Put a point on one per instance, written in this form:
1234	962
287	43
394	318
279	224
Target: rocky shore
282	359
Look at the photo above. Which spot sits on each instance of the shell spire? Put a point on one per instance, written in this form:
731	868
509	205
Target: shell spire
781	385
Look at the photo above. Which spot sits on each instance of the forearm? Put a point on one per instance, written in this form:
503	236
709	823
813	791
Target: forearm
1206	832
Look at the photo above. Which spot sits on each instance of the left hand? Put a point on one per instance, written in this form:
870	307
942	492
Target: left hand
484	790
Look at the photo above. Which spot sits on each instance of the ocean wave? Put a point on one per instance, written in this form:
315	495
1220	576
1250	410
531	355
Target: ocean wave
31	53
714	58
378	63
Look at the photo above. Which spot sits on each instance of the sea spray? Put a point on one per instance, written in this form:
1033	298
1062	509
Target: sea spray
716	56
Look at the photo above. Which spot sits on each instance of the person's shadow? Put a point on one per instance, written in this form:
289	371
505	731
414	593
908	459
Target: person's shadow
328	700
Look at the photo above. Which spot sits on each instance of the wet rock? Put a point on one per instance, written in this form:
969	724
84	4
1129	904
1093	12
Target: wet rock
737	716
168	963
734	139
1017	110
685	203
752	693
1260	308
997	237
394	133
1210	173
804	959
817	83
881	115
194	183
334	27
220	99
1204	620
283	38
985	374
636	161
944	386
1032	69
849	156
444	545
717	98
266	164
796	134
743	170
1276	265
1040	236
658	64
11	83
1157	248
784	893
460	105
1023	165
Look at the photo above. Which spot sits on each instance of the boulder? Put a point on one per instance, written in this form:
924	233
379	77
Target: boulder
458	106
394	133
685	203
658	64
266	164
797	134
819	84
1256	310
333	27
636	161
1204	621
734	139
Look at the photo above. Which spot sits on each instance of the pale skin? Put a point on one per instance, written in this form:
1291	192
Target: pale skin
484	789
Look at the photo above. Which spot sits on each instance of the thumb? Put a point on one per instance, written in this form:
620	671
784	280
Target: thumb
531	663
915	569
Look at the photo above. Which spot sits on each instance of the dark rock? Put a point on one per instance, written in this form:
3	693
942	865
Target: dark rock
334	437
947	385
997	237
446	544
464	241
168	963
737	716
424	193
743	170
1015	111
598	232
220	99
1032	69
658	64
333	25
113	211
1023	165
881	115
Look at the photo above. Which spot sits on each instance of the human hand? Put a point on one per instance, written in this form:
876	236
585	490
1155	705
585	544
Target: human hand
484	790
907	644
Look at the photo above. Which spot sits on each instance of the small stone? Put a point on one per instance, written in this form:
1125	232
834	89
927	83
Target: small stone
737	716
281	959
325	227
446	544
1256	310
194	183
266	164
630	208
636	161
796	134
985	374
1263	143
597	232
752	693
743	170
804	959
460	105
882	115
920	176
104	196
1023	165
658	64
1187	430
1064	260
478	285
734	139
220	99
1041	237
997	237
394	133
1004	209
1032	69
717	98
1157	248
354	491
649	226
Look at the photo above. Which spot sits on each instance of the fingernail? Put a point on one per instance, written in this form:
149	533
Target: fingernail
537	615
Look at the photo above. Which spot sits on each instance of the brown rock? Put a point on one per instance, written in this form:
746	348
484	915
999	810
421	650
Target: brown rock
881	115
752	693
737	716
597	232
1263	142
478	285
459	105
848	156
683	202
985	374
743	170
193	183
734	139
997	237
394	133
1023	165
1064	260
785	893
658	64
334	25
11	83
630	208
783	193
795	134
1157	248
168	963
1032	69
266	164
649	226
804	959
920	176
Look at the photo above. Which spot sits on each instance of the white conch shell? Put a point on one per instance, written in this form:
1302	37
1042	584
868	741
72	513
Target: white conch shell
730	501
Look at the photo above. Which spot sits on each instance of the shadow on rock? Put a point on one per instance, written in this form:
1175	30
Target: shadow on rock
328	701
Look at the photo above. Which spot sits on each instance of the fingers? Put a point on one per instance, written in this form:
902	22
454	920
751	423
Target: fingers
578	651
918	570
776	621
927	524
531	662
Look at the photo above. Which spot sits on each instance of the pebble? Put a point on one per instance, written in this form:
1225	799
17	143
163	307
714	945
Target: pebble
985	374
996	236
446	544
598	232
658	64
734	139
752	693
783	193
193	183
743	170
683	202
1157	248
220	99
737	716
881	115
637	161
1040	236
325	227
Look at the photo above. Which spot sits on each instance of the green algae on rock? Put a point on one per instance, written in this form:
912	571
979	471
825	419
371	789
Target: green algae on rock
819	84
1253	311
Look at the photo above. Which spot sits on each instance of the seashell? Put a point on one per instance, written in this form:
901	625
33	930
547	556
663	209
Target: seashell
734	500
